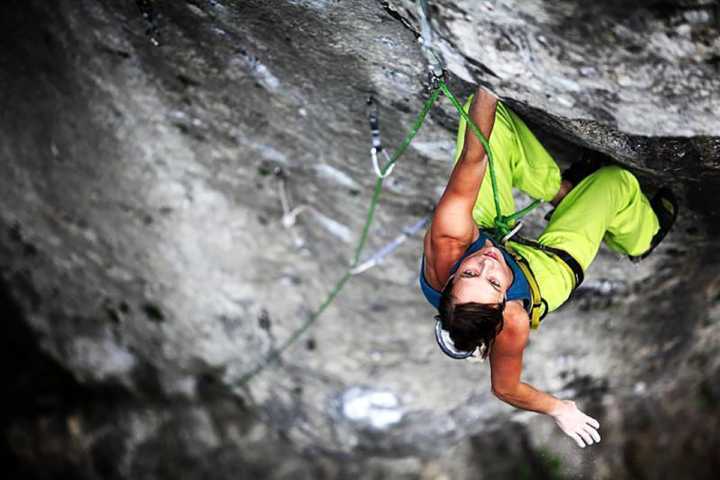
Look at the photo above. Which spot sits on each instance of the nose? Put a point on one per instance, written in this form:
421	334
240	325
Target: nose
485	264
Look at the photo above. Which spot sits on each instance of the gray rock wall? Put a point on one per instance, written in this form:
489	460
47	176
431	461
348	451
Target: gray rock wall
150	149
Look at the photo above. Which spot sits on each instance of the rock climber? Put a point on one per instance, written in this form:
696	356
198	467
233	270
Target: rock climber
483	296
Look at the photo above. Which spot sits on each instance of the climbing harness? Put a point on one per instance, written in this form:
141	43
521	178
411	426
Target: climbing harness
538	305
567	259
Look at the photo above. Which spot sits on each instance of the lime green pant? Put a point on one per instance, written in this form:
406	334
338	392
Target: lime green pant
607	204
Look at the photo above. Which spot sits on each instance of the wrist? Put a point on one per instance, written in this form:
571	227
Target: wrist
560	407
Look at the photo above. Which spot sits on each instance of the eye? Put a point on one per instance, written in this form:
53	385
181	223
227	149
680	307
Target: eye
494	283
469	274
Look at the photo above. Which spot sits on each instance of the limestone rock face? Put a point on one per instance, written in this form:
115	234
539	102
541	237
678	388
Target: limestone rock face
150	151
644	68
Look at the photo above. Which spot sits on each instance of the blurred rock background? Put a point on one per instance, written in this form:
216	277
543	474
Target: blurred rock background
150	148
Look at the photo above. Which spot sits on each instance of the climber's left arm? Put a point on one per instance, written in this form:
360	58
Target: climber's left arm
506	368
506	357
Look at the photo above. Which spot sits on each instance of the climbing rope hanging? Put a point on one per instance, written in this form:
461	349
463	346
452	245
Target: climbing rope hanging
381	175
503	223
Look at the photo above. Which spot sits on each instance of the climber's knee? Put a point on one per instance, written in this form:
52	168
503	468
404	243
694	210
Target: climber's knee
614	176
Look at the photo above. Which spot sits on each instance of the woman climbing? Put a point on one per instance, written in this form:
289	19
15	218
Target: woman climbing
489	293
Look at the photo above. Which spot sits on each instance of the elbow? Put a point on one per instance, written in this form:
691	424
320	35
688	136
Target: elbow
503	393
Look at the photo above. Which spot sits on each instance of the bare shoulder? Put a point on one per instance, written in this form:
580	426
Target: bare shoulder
440	255
516	328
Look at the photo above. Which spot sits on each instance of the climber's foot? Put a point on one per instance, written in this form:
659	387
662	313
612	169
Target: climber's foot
589	162
665	206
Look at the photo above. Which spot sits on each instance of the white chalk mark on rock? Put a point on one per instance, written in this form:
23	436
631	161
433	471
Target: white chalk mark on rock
377	408
335	175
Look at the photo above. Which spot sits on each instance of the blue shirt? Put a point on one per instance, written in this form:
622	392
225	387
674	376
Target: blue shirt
519	289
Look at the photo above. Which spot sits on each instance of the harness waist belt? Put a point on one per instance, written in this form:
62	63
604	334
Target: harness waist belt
568	259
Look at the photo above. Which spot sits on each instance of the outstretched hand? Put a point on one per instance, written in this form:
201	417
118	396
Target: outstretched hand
575	424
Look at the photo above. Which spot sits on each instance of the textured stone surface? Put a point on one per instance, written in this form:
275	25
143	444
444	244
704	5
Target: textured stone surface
646	68
145	267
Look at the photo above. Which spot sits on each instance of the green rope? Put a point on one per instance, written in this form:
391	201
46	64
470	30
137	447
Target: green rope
375	199
502	223
521	213
274	354
378	183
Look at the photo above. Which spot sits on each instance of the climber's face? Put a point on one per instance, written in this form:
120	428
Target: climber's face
482	277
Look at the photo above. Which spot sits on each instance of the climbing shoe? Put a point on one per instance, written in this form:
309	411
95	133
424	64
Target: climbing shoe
665	206
589	161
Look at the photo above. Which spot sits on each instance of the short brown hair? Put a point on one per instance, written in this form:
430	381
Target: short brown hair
470	324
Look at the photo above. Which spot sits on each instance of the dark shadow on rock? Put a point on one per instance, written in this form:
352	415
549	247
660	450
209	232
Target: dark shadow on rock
509	453
41	400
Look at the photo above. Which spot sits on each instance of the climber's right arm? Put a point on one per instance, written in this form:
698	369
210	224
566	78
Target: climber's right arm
453	225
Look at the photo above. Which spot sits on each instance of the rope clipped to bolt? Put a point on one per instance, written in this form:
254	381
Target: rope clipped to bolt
503	224
381	174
